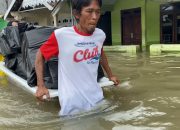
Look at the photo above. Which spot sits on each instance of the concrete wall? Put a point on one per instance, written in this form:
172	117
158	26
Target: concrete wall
42	17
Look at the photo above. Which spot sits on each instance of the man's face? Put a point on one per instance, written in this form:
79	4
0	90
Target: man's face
14	24
89	17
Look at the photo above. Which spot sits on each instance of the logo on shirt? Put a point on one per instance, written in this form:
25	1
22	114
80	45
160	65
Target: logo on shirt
89	55
82	44
94	60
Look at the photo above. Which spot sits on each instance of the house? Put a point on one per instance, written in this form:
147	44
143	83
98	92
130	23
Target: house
55	13
152	24
148	25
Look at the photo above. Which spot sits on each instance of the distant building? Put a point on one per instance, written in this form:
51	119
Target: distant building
140	23
55	13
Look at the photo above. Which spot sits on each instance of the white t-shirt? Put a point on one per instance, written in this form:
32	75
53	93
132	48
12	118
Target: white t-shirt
78	59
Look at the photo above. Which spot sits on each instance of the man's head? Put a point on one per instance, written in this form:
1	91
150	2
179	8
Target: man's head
13	23
87	13
77	5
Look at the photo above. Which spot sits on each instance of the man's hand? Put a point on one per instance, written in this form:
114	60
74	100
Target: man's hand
115	80
42	91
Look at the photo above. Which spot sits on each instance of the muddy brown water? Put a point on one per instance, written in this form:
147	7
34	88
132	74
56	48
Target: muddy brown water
147	99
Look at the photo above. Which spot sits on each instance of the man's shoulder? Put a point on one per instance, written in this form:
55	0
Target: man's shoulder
99	31
63	29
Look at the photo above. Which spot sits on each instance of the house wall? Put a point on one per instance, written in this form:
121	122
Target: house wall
153	22
150	19
64	16
116	17
42	17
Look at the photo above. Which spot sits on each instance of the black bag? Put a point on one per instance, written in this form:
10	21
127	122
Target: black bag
14	62
10	41
32	40
53	72
13	39
4	46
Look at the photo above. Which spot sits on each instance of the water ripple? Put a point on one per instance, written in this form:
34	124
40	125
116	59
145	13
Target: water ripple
131	127
138	113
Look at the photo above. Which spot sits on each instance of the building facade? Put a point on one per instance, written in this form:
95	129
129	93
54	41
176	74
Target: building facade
146	22
140	23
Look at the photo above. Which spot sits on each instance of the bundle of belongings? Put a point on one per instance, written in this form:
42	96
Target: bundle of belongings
19	46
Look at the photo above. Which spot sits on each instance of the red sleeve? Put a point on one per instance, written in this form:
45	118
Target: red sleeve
50	47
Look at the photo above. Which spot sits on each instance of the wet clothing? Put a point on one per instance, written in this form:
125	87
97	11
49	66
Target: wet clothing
78	60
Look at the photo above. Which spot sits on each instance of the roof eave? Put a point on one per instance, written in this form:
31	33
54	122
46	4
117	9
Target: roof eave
14	5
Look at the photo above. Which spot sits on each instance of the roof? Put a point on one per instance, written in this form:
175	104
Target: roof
20	5
33	3
14	6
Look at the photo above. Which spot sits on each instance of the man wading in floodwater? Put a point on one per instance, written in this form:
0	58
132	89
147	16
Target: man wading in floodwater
79	49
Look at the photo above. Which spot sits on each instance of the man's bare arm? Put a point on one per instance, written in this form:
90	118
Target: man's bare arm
105	65
39	68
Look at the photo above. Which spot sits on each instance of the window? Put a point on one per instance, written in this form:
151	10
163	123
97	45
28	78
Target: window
170	23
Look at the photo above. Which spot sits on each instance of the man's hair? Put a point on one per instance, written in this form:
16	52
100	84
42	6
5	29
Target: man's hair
77	5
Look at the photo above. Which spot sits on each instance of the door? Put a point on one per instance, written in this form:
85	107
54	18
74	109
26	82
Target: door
131	27
178	28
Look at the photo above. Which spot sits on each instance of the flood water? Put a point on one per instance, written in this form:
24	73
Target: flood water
147	99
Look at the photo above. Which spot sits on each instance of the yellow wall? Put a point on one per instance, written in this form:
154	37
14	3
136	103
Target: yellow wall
116	16
150	20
